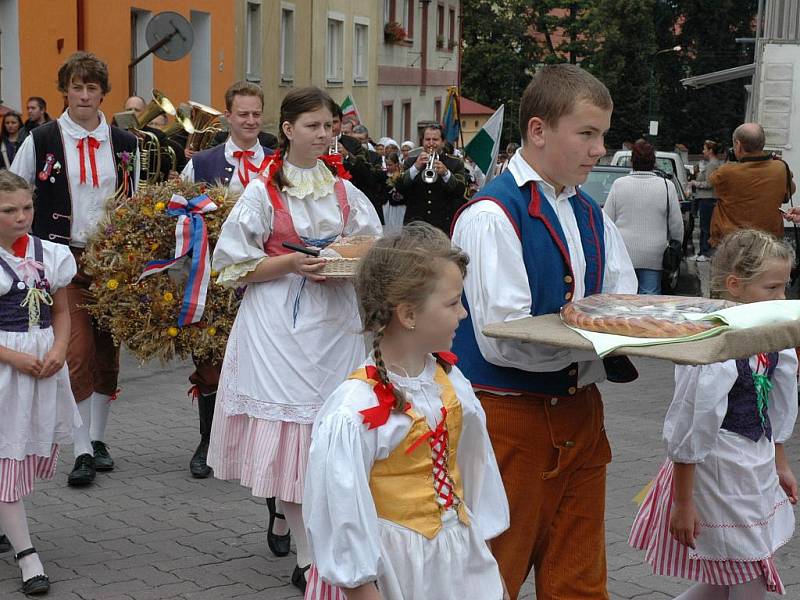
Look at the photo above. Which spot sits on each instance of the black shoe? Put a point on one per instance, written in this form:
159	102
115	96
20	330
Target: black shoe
83	472
299	577
102	459
5	545
205	411
38	584
278	544
198	466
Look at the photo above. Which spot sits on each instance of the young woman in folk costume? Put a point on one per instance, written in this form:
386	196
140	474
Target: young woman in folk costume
403	490
296	335
36	401
721	505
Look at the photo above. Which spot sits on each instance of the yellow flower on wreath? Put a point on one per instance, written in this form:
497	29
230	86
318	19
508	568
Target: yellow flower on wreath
112	284
172	331
168	297
212	331
160	206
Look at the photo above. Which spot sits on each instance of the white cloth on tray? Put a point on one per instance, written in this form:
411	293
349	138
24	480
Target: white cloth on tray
746	514
37	413
497	285
351	545
293	340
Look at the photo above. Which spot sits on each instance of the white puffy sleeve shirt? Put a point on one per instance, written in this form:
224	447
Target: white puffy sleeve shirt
497	286
700	403
338	510
59	265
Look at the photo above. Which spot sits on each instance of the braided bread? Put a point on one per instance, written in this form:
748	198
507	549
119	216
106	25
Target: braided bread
641	316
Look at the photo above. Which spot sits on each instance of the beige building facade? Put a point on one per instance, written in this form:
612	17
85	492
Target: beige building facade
332	44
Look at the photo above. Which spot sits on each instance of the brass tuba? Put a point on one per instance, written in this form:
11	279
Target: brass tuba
152	153
204	123
159	105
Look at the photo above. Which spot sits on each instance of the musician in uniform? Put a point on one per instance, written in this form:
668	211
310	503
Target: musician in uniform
77	163
231	164
432	184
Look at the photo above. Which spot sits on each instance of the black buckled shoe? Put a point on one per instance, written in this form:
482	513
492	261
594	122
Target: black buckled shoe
299	577
38	584
83	472
5	545
102	459
278	544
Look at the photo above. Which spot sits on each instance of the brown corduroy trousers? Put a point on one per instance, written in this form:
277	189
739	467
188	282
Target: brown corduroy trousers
552	453
92	355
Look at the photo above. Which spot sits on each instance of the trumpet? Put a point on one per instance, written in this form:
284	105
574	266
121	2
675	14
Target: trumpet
333	148
429	175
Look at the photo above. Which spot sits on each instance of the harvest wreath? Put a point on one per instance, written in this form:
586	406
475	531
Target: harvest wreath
159	314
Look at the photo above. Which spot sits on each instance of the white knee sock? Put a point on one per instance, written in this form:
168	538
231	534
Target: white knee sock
755	589
280	526
101	405
83	443
294	517
705	591
14	524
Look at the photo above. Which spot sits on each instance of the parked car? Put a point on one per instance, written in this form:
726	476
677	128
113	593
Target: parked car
602	177
670	163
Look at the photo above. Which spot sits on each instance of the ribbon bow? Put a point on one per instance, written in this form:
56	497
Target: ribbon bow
93	145
335	161
29	271
376	416
245	167
33	300
191	242
763	386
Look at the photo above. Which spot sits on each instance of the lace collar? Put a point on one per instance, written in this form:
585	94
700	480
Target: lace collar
316	182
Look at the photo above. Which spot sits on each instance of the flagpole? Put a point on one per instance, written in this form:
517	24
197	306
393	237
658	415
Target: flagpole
458	109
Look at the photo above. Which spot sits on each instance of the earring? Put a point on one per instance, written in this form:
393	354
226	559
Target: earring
411	328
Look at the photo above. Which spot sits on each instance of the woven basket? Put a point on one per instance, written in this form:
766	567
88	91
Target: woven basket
343	268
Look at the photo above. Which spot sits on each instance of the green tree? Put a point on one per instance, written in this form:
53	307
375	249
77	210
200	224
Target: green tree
499	56
624	61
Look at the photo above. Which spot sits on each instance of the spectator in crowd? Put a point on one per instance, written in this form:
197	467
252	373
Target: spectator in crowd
751	190
644	207
705	195
405	148
347	125
10	138
511	148
37	115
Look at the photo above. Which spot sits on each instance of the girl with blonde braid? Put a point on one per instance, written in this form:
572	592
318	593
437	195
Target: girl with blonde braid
403	490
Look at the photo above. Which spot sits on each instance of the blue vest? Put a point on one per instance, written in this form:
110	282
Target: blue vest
210	165
743	416
550	276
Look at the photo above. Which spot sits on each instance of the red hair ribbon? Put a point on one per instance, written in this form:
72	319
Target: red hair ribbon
449	357
115	395
376	416
335	161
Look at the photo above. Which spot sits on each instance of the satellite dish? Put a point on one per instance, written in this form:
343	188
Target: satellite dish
169	35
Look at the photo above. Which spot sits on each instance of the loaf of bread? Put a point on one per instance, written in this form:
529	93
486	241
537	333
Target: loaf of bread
641	316
354	246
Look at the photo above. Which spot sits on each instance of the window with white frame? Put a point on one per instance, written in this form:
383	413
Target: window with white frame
287	43
253	41
360	52
334	63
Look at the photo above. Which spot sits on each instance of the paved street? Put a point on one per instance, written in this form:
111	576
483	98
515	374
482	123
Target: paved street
149	531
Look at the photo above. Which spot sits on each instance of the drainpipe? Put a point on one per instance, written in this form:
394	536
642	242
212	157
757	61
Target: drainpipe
423	82
80	10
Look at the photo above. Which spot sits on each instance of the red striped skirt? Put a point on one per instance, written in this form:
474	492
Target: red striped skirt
269	457
650	532
317	589
17	476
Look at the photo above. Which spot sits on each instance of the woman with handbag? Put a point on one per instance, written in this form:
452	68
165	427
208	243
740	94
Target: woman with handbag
644	207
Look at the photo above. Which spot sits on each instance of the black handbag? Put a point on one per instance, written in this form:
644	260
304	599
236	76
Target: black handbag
673	253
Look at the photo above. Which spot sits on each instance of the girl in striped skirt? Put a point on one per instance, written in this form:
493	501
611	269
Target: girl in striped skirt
36	403
721	505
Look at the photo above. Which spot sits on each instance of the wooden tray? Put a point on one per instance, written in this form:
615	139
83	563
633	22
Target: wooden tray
732	343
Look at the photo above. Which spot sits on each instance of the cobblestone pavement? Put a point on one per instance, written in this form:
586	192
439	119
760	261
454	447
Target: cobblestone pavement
149	531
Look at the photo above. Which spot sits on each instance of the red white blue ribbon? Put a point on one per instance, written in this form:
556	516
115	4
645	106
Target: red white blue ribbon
191	244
